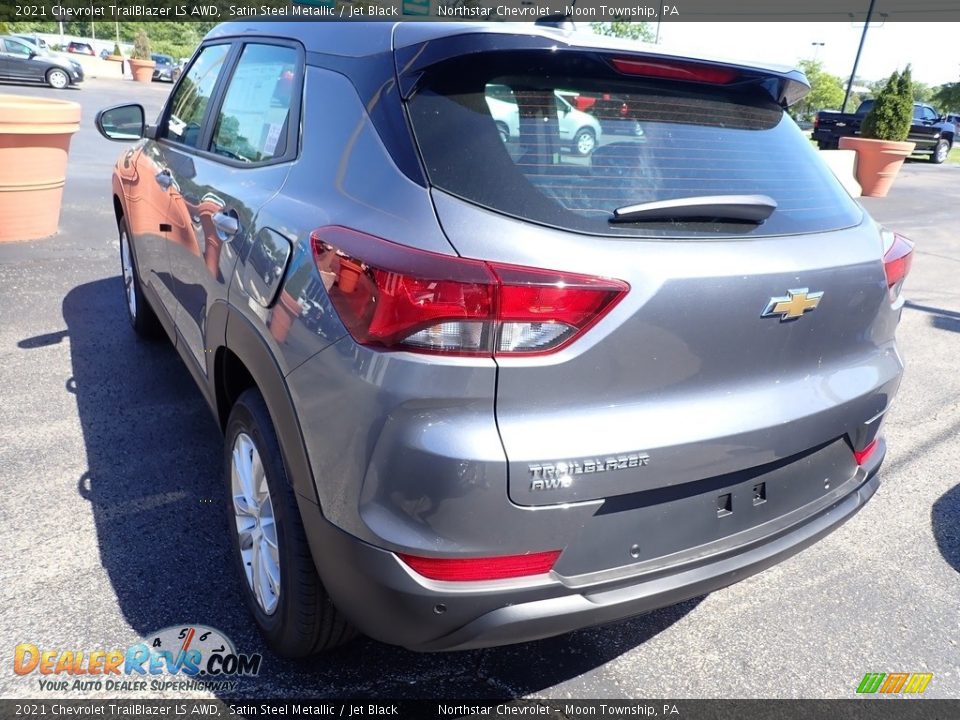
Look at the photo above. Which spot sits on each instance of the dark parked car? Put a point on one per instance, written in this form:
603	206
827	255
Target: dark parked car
22	61
166	68
477	392
932	133
80	48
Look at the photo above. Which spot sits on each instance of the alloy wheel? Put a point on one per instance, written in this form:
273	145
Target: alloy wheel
126	264
58	79
255	523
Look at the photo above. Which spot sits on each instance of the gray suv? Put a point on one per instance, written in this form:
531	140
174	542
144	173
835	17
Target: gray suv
479	389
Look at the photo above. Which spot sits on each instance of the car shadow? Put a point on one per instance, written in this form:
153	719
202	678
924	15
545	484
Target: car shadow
155	491
941	319
945	521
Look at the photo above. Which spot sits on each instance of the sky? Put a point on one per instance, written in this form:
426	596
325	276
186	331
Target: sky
931	48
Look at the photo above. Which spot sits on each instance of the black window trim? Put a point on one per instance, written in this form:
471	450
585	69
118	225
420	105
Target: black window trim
212	112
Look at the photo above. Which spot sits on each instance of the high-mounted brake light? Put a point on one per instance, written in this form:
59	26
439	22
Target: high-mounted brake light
861	456
897	258
675	70
398	298
488	568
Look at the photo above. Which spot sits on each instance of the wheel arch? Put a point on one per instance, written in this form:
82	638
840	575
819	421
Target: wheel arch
243	360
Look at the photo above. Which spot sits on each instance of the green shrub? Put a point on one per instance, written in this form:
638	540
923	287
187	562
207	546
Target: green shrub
905	97
892	112
141	46
174	50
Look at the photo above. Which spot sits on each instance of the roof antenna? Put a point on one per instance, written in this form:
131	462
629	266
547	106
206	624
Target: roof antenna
561	21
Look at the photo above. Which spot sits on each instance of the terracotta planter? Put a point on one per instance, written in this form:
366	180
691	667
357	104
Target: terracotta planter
349	275
284	312
34	141
878	162
142	70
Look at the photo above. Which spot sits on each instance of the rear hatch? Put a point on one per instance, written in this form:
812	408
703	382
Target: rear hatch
757	326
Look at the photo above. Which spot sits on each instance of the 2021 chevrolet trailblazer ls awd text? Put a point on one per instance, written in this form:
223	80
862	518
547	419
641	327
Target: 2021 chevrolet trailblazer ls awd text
479	387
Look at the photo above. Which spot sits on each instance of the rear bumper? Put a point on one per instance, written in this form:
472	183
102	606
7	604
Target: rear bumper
389	602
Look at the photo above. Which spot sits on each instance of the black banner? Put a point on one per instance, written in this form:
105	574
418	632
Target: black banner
860	709
488	10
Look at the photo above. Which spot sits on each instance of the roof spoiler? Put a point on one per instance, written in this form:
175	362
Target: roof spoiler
785	86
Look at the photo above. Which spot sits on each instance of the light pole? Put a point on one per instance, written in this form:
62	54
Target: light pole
816	49
856	61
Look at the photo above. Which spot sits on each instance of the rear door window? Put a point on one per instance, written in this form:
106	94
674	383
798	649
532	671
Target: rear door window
253	122
568	144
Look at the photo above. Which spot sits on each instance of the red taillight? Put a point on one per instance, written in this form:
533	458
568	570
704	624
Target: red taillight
861	456
897	258
488	568
395	297
816	121
675	70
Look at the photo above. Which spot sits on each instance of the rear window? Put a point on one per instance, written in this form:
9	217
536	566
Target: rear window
564	141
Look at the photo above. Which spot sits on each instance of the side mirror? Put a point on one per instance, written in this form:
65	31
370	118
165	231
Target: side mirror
122	122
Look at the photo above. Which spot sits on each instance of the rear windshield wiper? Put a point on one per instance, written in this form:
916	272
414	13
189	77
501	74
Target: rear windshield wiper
723	208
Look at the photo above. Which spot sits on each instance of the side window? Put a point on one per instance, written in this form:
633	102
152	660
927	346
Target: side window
190	101
253	121
929	114
17	48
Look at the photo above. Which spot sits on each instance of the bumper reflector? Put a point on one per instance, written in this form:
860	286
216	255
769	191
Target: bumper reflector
487	568
861	456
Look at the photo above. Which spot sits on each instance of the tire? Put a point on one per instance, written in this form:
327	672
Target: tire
940	152
584	142
827	145
58	79
293	612
142	318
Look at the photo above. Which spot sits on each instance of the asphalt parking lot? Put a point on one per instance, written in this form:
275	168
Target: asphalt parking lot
111	527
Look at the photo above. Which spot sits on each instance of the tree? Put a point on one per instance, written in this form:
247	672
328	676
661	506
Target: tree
826	90
922	92
624	29
892	112
947	97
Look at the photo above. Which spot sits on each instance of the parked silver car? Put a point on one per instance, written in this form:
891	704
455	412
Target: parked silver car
575	129
477	392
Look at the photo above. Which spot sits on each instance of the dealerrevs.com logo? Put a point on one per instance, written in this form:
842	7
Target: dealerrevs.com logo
199	657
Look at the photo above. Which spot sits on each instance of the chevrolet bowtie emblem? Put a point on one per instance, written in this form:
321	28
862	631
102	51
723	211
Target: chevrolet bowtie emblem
792	305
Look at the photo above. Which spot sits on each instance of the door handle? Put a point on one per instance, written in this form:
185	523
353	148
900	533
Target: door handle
164	179
227	225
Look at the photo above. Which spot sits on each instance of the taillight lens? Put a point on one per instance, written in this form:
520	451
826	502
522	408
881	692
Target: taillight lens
394	297
675	70
816	121
487	568
897	259
861	456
